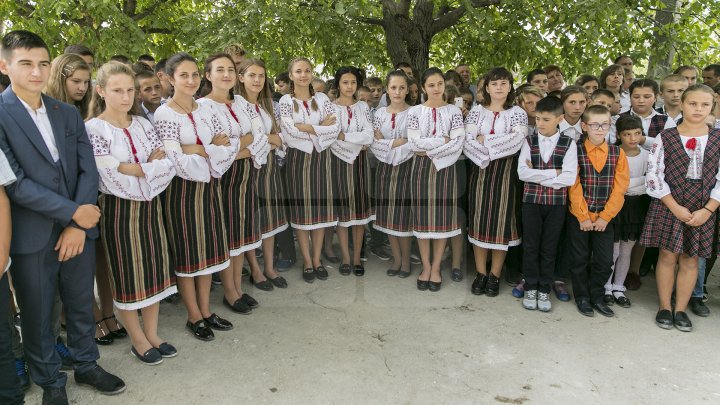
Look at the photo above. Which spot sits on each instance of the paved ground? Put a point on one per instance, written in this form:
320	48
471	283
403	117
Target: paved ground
377	340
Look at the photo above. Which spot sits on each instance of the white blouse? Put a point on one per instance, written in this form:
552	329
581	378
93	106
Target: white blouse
356	124
427	128
263	123
134	144
201	125
392	126
504	133
638	167
655	177
294	111
548	177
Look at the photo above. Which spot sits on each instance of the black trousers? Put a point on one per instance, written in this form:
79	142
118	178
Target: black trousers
10	392
36	277
589	281
542	225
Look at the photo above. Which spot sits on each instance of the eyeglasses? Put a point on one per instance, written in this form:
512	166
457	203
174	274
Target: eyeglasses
597	127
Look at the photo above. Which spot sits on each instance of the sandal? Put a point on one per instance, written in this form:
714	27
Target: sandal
118	333
105	339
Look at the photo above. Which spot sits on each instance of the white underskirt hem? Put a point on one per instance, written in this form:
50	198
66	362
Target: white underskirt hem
246	248
393	233
210	270
275	231
437	235
494	246
313	226
131	306
356	222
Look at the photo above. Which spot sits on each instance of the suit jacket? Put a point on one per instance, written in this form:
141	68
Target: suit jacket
38	201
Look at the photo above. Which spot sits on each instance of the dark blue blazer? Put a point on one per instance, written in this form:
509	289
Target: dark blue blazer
37	200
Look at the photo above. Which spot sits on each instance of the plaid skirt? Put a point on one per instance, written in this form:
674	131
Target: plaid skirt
393	203
309	189
351	190
433	195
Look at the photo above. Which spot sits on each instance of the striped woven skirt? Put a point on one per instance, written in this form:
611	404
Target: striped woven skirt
351	190
133	236
241	206
434	200
195	222
309	189
494	202
270	190
393	203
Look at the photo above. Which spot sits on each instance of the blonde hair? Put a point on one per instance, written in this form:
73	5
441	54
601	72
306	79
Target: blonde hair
63	67
235	50
673	78
265	96
313	104
528	89
106	71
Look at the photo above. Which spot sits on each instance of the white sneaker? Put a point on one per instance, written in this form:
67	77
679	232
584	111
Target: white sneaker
543	302
530	300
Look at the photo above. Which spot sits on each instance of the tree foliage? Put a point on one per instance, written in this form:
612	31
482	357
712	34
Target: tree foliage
583	36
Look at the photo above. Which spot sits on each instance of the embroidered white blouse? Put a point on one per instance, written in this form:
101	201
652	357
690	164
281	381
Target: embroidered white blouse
427	128
134	144
356	124
262	123
392	126
294	111
504	133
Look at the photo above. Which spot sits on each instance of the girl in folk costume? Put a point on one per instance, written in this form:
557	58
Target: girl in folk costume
495	131
238	190
255	98
350	171
392	184
133	172
682	177
309	129
435	133
194	213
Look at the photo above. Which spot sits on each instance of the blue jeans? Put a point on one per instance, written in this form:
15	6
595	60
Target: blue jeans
698	291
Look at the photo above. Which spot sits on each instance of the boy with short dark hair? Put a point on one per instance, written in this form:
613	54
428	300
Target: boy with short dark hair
548	166
149	93
375	85
596	197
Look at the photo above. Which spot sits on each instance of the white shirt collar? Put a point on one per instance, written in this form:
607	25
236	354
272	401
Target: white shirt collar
553	138
41	110
649	117
564	125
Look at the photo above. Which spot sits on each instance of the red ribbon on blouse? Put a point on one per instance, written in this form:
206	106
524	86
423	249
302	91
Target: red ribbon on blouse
349	110
132	145
691	144
232	113
197	137
392	120
434	120
495	116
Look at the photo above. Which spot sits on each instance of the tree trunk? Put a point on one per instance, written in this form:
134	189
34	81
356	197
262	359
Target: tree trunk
663	54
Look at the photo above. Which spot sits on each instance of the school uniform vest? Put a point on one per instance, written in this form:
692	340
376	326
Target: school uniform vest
597	185
657	124
677	162
535	193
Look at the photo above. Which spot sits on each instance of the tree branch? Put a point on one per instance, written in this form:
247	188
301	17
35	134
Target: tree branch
25	8
130	7
150	9
451	16
158	31
370	20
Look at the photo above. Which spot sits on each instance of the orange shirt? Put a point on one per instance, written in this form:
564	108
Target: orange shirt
598	155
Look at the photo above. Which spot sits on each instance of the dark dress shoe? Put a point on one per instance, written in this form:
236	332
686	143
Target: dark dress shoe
359	270
434	286
119	332
278	282
201	330
54	396
392	272
492	288
264	285
321	273
423	285
603	309
101	380
478	285
456	274
682	322
623	301
239	306
345	269
250	301
664	319
218	323
331	259
105	338
151	357
309	275
698	307
584	307
167	350
608	299
404	274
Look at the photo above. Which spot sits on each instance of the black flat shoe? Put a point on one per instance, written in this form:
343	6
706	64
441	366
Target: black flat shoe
423	285
218	323
403	274
392	272
623	301
456	274
664	319
250	301
54	396
345	269
603	309
478	285
105	339
359	270
239	306
278	282
584	307
118	333
200	330
682	322
492	289
101	380
608	299
309	275
331	259
321	273
434	286
152	357
167	350
264	285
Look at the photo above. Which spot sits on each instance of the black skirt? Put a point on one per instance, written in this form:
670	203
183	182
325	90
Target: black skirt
628	223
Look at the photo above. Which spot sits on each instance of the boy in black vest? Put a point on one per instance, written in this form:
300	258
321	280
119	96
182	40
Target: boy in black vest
596	197
548	166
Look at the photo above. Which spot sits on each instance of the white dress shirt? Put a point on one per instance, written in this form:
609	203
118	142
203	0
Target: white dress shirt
549	177
573	131
42	122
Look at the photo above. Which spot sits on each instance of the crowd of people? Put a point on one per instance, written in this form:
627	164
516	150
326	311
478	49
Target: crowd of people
155	180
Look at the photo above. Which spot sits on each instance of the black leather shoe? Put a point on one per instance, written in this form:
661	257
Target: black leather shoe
345	269
434	286
309	275
603	309
105	338
456	274
218	323
682	322
120	332
608	299
239	306
478	285
359	270
423	285
250	301
584	307
54	396
101	380
623	301
201	330
278	282
664	319
404	274
698	307
151	357
392	272
321	273
492	288
264	285
167	350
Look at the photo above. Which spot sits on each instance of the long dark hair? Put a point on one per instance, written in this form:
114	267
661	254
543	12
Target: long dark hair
206	87
426	75
345	70
401	74
498	73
